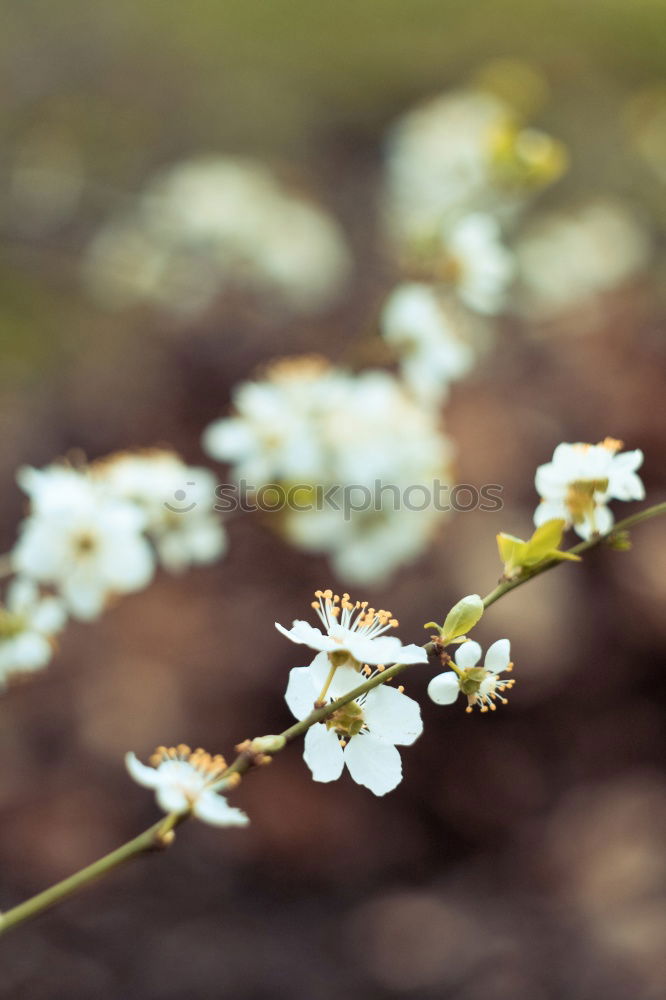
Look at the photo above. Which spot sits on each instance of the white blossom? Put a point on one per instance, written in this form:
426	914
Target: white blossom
85	543
310	425
186	780
178	502
481	266
204	225
428	337
482	686
280	426
28	623
353	632
461	152
581	479
363	734
568	259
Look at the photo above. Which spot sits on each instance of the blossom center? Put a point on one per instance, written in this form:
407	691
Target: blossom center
580	498
205	766
483	688
348	721
11	624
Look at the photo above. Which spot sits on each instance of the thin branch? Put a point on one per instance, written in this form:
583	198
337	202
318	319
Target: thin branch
161	834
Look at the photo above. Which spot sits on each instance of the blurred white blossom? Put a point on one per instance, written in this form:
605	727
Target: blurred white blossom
28	623
428	337
177	500
282	423
463	151
204	225
186	780
79	539
481	267
482	686
363	734
581	479
566	259
362	436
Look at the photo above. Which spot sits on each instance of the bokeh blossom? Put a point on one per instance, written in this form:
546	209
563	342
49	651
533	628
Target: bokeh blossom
28	623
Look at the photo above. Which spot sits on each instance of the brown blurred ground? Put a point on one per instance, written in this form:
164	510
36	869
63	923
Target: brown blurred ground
521	857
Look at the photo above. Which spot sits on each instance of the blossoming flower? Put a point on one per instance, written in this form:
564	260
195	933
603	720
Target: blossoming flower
462	152
482	686
28	623
427	337
277	430
580	480
177	500
567	261
208	224
184	780
363	734
79	539
353	633
479	265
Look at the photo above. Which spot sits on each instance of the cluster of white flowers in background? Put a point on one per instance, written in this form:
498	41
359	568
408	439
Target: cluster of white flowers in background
96	531
203	226
567	259
309	423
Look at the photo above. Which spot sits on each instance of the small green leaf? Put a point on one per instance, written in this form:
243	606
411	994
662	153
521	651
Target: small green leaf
548	536
512	552
462	617
543	545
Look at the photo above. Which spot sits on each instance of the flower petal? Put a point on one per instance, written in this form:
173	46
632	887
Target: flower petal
323	753
300	694
144	775
214	808
468	654
306	634
444	688
171	799
345	678
392	716
374	763
498	656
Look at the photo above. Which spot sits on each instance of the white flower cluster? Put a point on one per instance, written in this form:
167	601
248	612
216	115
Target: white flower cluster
581	479
460	169
97	531
363	733
462	152
205	225
569	259
311	424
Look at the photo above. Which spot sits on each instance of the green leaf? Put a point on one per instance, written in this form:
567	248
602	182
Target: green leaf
544	544
512	552
548	536
462	617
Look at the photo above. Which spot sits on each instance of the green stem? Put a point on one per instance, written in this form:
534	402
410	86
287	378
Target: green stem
158	835
628	522
155	838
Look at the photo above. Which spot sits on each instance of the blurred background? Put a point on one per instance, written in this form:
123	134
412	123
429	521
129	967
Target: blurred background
522	856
